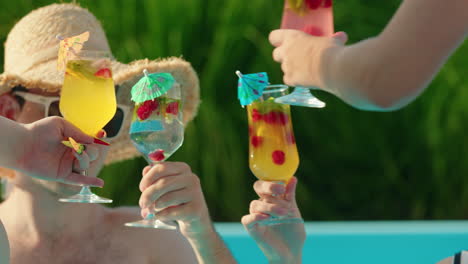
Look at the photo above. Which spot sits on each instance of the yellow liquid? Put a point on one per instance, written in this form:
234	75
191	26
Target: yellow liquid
86	100
272	148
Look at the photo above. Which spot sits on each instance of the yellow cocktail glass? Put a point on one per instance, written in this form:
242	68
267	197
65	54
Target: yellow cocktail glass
88	101
273	153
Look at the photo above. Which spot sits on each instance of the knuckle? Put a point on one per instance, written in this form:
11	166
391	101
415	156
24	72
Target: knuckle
55	119
142	185
158	168
195	179
142	201
183	166
284	67
163	182
257	185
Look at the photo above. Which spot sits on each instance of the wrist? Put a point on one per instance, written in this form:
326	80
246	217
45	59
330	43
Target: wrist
330	65
289	260
197	229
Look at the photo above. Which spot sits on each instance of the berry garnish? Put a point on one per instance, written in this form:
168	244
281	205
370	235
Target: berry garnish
271	117
282	118
256	141
173	108
275	117
313	30
313	4
145	109
157	155
256	116
104	73
327	3
278	157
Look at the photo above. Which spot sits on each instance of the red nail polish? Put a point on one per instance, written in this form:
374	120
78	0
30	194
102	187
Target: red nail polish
101	142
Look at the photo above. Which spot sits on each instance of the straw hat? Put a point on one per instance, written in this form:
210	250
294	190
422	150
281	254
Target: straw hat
31	61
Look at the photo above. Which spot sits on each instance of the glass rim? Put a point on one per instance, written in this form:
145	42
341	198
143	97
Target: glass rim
273	88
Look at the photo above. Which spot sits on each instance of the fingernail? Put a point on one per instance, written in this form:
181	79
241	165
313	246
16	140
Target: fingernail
101	142
101	134
145	214
149	216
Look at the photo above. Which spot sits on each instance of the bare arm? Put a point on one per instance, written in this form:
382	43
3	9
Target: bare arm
36	150
381	73
4	245
176	193
208	245
446	261
390	70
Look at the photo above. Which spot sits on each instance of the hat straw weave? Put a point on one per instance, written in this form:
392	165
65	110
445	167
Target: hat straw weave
31	61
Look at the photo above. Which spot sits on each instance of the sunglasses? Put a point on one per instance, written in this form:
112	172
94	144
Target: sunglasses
51	107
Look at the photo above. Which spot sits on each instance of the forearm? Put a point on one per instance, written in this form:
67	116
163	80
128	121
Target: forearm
390	70
4	245
12	136
208	245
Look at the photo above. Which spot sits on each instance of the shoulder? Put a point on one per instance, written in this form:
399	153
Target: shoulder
155	242
446	261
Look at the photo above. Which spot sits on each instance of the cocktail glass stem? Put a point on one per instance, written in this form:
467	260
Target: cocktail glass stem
85	196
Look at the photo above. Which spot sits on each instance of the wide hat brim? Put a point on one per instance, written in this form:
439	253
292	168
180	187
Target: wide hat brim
46	77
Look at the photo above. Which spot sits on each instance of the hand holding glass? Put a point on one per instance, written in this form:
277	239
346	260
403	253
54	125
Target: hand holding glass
157	131
272	147
88	101
317	22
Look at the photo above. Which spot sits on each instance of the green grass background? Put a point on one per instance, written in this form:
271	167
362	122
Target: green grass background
408	164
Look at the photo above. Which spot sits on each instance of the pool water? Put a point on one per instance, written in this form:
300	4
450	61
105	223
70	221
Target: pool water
383	242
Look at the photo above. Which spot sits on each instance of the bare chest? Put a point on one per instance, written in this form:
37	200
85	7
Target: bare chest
103	251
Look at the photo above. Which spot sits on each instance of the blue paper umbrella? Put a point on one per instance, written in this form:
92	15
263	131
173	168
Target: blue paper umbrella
250	86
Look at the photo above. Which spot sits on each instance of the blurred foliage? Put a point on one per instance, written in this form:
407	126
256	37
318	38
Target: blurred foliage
355	165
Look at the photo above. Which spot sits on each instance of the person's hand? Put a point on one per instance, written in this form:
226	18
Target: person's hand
43	155
175	193
281	243
304	57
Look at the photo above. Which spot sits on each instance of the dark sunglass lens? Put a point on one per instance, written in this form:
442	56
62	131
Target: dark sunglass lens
54	109
113	127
